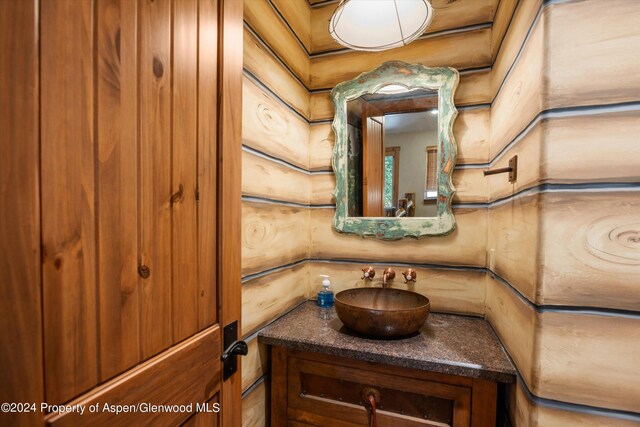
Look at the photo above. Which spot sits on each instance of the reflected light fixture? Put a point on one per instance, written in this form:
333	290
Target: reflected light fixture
374	25
392	89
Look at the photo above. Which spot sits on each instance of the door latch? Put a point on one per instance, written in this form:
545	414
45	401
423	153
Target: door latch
232	348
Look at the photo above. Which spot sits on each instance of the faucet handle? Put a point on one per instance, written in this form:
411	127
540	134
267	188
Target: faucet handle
368	273
410	275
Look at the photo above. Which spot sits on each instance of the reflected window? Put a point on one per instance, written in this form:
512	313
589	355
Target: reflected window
431	184
391	169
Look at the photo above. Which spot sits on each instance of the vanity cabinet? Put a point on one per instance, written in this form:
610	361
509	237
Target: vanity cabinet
310	388
322	373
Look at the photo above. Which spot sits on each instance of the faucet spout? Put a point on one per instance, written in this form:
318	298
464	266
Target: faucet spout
388	274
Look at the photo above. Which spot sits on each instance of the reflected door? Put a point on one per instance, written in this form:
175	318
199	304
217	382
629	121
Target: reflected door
373	165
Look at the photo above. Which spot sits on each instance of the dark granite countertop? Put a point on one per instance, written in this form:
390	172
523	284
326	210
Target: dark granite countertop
447	343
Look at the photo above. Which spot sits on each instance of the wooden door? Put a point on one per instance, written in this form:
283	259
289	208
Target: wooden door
123	158
373	164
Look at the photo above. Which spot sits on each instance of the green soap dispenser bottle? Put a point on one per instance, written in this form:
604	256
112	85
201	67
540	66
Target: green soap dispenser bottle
325	296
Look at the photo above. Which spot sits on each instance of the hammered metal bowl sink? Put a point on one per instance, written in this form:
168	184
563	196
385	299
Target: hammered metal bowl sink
382	312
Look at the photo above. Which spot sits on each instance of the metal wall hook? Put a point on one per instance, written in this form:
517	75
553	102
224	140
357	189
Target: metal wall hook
512	170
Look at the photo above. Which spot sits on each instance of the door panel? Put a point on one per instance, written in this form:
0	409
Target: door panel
373	165
205	419
140	141
207	161
155	125
117	174
186	374
20	257
69	239
229	180
185	168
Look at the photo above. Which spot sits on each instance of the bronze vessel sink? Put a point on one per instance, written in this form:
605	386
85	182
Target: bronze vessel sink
382	312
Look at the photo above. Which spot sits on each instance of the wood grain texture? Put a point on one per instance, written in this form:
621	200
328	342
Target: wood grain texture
516	324
590	249
155	175
255	407
527	413
587	67
112	72
264	66
372	164
298	16
532	163
262	177
513	247
279	396
472	130
594	160
484	403
320	106
205	419
322	186
321	140
187	373
471	186
184	174
461	51
501	23
267	297
523	17
117	167
272	128
450	291
229	226
465	246
261	16
273	235
571	344
521	97
256	364
207	162
569	150
474	89
447	15
549	351
68	199
21	351
313	407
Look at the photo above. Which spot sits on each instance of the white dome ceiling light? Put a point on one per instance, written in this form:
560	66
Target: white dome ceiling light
375	25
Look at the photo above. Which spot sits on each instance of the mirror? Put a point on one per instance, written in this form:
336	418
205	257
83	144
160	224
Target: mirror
395	152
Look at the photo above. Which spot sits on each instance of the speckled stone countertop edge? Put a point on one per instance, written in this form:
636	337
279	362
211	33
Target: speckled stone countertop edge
442	367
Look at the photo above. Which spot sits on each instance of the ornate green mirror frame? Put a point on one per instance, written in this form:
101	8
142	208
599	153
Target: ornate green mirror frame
411	76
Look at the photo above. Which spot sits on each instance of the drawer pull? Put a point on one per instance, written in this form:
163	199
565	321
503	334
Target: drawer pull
371	397
372	415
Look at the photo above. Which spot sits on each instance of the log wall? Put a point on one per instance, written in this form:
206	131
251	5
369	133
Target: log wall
276	181
561	239
550	260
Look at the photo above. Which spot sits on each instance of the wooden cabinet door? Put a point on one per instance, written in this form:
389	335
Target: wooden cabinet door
334	395
134	198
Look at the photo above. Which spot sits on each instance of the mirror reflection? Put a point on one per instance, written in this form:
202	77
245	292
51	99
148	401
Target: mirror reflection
392	153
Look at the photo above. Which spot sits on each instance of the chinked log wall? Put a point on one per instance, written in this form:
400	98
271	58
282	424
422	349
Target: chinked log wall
549	260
